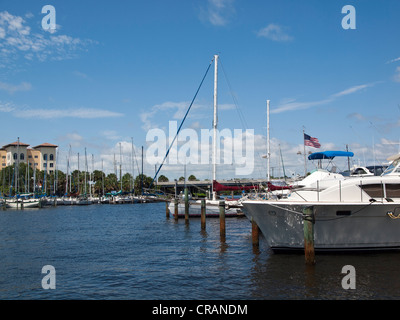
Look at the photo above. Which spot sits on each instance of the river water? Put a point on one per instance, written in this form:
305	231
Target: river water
134	252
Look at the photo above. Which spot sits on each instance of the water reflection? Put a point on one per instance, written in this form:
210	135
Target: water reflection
286	276
133	252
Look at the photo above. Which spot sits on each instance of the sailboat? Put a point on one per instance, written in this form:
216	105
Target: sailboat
232	209
20	201
24	201
83	199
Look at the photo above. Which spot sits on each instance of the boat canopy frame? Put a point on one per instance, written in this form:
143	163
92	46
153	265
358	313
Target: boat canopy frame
329	155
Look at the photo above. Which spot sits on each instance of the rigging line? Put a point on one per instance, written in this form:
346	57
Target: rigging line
183	120
241	116
239	111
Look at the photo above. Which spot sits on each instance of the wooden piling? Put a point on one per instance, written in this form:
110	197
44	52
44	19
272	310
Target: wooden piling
166	209
222	219
203	214
176	203
186	205
308	216
255	233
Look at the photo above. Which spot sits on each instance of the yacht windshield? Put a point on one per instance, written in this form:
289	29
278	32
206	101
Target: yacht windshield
392	168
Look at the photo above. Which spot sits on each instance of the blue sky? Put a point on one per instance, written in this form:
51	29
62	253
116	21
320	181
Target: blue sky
113	70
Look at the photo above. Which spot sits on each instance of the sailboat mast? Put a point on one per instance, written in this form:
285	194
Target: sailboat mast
16	171
79	176
268	144
102	176
133	165
120	165
215	123
66	180
85	170
305	156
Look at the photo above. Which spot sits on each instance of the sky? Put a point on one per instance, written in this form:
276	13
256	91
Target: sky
112	72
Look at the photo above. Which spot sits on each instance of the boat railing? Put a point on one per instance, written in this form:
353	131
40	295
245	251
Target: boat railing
340	192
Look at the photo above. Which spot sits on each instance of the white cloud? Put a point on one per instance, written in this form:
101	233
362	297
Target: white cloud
82	113
177	111
397	75
18	40
147	116
357	116
26	112
275	32
80	74
74	140
394	60
178	108
352	90
386	141
293	105
110	135
6	107
218	12
11	88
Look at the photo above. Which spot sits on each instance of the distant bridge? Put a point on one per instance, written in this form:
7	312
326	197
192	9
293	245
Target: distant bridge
203	186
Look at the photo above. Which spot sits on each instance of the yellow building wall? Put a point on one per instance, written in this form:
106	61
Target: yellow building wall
3	159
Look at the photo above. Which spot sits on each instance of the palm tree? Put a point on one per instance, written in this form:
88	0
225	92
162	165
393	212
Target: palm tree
111	183
162	178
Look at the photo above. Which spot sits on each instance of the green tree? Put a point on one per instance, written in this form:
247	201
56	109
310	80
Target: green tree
138	183
162	178
111	183
127	182
192	178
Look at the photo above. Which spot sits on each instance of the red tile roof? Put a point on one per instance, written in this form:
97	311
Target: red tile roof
46	145
21	144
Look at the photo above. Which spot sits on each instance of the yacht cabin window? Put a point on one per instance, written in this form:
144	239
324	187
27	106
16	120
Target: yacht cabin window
392	167
379	190
373	190
392	190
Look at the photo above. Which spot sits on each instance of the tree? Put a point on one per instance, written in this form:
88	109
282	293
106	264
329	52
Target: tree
192	178
146	183
127	182
162	178
111	183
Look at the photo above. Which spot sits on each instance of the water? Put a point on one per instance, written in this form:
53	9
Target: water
134	252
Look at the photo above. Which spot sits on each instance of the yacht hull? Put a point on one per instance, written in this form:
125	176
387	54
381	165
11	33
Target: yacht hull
22	204
212	210
337	227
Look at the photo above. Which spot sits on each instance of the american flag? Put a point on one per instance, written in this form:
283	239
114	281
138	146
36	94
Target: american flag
311	142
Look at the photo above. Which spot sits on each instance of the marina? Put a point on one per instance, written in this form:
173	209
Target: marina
135	252
216	151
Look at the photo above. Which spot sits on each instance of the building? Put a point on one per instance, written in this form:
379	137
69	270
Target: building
3	157
47	156
43	156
